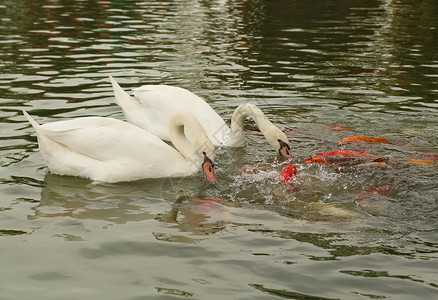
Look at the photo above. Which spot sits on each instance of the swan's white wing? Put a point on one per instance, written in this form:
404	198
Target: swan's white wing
105	138
160	102
90	122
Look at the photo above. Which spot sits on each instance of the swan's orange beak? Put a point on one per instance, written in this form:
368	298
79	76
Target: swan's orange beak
208	169
284	150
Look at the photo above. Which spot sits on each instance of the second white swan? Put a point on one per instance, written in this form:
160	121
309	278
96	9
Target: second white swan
154	105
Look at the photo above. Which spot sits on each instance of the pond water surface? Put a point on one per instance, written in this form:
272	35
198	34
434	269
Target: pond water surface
324	70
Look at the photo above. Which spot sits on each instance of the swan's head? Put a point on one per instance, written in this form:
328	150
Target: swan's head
284	149
208	169
278	140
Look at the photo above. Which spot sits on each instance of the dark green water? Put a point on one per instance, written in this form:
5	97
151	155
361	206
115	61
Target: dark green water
369	66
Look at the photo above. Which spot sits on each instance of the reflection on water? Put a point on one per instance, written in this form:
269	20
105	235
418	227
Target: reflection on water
323	70
181	207
78	198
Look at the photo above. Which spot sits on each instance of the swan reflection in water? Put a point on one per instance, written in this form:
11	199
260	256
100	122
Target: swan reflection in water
173	202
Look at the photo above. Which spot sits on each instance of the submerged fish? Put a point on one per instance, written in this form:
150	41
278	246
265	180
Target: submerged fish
337	127
364	138
424	162
363	198
347	157
433	157
377	163
248	169
384	190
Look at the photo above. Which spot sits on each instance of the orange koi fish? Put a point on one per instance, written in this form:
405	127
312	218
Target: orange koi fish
423	162
345	157
376	163
346	153
431	159
288	174
364	138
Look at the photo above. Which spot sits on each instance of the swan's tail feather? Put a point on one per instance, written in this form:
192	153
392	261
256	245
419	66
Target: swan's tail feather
34	124
122	98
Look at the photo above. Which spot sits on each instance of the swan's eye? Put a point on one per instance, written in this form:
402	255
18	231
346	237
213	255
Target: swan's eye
209	168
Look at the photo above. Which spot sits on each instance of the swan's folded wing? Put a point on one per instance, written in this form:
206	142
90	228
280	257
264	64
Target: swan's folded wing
86	122
105	139
161	102
169	99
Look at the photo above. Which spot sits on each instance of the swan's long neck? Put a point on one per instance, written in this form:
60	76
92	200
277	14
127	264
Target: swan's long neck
190	139
270	131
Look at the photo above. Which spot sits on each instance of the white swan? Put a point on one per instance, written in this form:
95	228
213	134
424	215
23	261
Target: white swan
154	105
110	150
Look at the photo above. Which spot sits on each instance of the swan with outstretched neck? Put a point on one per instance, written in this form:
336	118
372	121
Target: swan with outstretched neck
110	150
153	106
